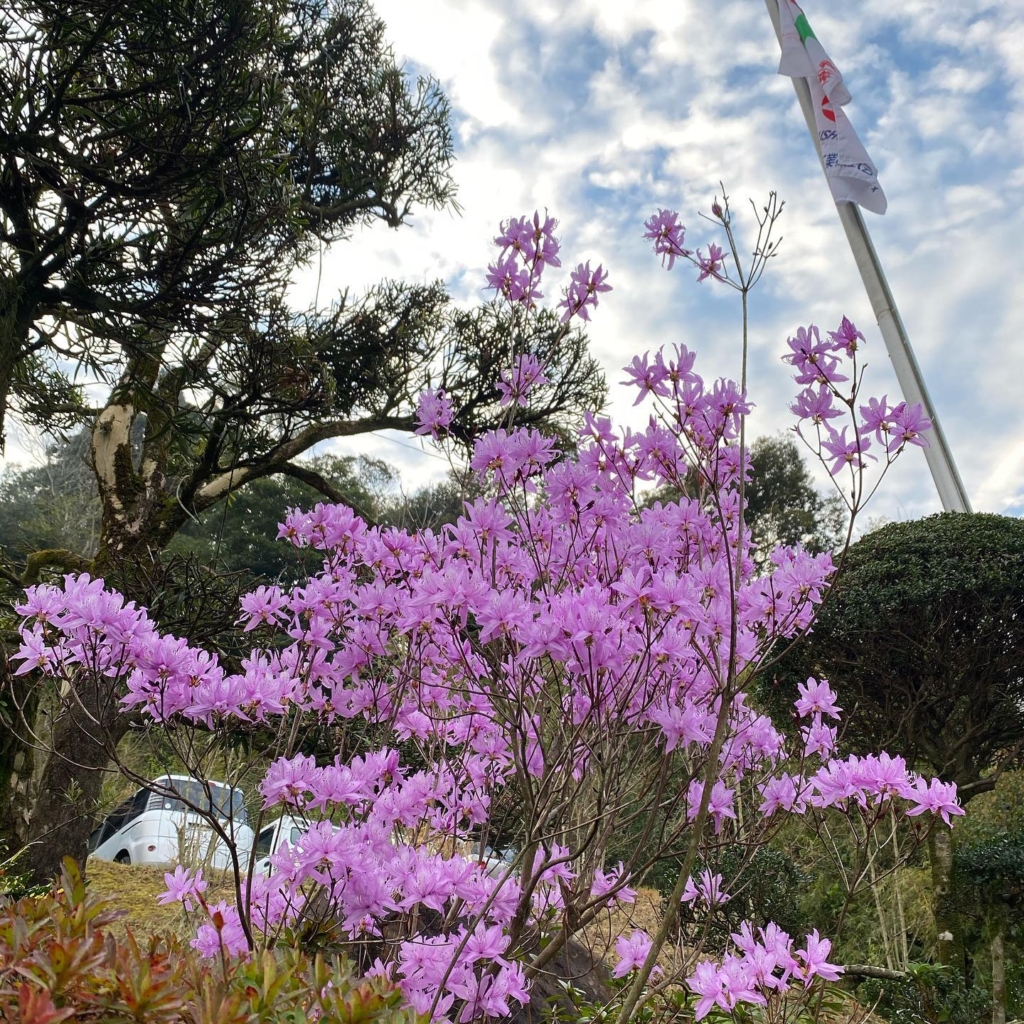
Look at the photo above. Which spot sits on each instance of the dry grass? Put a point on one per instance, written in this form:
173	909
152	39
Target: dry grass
134	890
623	919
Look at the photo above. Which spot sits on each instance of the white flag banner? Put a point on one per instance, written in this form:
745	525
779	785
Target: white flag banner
851	175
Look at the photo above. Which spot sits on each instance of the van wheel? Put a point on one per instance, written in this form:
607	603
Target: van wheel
123	858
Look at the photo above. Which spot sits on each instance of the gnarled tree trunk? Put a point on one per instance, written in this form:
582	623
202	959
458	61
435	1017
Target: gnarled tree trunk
84	736
18	701
89	724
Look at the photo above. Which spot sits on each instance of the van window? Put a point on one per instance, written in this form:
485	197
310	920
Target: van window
139	804
265	842
116	820
226	802
108	829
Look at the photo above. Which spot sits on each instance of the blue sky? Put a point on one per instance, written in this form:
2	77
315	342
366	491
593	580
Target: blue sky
603	111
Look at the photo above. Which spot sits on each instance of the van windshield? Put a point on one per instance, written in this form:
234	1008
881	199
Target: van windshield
225	802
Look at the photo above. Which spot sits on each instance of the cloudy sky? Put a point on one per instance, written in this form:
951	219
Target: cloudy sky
602	111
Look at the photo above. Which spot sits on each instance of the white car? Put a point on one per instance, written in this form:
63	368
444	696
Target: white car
155	826
285	829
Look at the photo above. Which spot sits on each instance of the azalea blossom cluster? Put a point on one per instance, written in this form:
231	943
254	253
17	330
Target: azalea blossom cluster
861	782
819	364
527	247
767	967
434	412
516	383
668	235
823	366
559	632
627	612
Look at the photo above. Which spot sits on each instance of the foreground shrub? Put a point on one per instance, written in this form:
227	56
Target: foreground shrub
60	961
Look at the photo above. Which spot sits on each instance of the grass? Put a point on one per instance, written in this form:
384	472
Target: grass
134	890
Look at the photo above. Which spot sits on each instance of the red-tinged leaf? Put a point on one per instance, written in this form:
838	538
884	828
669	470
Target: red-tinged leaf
36	1007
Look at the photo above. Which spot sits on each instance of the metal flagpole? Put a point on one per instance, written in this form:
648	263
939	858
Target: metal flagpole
940	459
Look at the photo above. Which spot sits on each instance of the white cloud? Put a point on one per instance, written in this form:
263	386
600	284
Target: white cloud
947	77
457	42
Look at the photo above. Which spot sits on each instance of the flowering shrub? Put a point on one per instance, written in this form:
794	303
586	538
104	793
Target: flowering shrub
562	650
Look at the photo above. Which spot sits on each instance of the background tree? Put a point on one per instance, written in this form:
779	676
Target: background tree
784	506
164	168
52	504
430	507
165	162
923	637
240	534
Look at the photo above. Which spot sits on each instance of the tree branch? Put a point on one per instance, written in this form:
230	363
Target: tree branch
311	478
867	971
209	493
56	558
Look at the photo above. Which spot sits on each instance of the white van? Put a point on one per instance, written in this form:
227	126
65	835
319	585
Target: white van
156	825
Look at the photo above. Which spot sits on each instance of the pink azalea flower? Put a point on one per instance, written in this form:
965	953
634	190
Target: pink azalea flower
433	412
632	952
818	738
936	797
515	384
583	290
815	960
815	404
845	453
708	890
909	427
223	932
877	418
816	698
712	265
648	377
182	887
780	792
667	234
845	339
